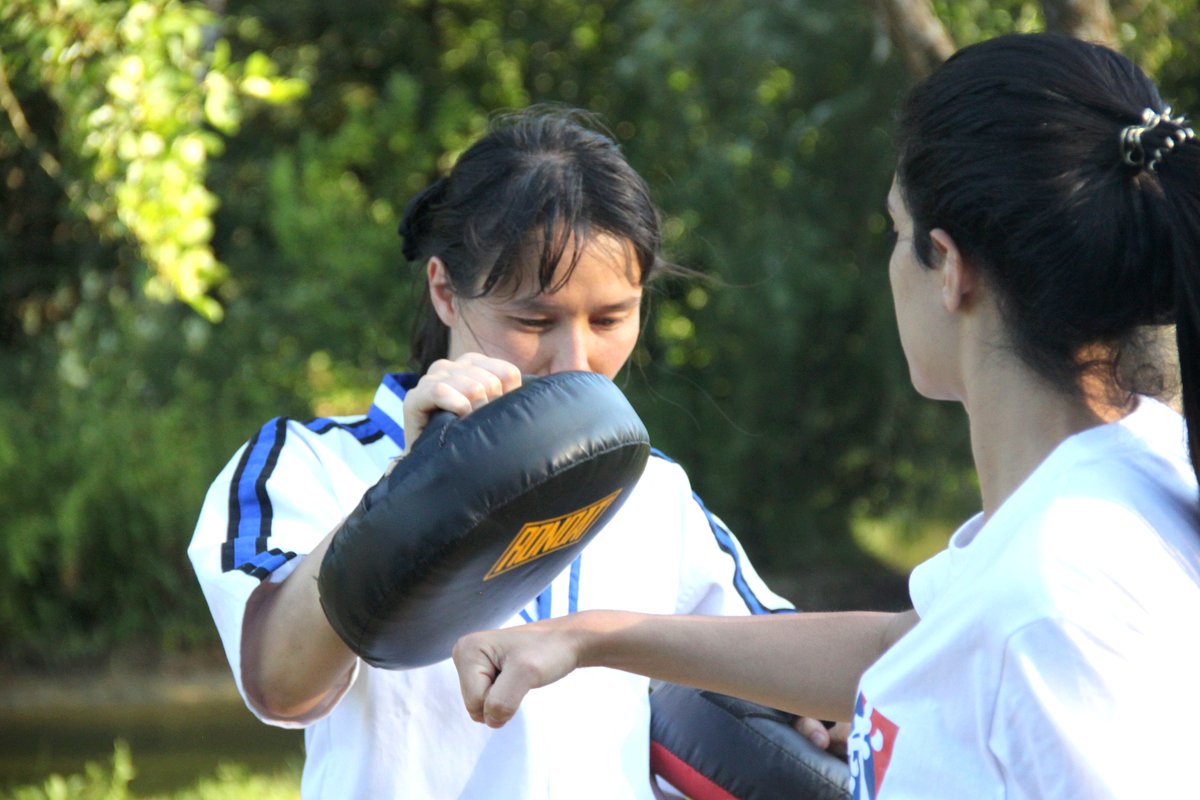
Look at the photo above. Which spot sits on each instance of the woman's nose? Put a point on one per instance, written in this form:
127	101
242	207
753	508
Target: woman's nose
571	352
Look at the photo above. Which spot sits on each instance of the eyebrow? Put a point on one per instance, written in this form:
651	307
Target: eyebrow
534	304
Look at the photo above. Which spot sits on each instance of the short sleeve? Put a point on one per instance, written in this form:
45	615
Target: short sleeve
273	502
927	580
717	577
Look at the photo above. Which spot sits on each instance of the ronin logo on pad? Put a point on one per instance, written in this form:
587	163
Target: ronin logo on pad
536	539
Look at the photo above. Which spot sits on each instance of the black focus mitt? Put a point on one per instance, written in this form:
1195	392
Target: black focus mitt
479	517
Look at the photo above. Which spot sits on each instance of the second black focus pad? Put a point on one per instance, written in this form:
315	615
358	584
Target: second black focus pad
716	747
479	517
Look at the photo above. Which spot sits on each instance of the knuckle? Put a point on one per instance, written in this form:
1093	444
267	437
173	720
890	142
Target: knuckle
500	709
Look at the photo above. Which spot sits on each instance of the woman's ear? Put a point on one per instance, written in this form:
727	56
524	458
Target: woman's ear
960	280
441	290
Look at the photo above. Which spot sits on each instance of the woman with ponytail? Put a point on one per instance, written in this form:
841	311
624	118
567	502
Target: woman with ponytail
536	249
1046	269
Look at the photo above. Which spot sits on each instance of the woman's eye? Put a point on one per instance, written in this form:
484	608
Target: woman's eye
532	322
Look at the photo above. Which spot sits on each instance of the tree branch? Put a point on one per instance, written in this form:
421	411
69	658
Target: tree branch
1091	20
20	125
915	30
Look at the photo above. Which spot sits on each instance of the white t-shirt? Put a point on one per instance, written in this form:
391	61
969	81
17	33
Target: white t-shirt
405	734
1059	641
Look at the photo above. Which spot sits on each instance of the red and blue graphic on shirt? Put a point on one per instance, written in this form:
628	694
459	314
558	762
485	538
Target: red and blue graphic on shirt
870	749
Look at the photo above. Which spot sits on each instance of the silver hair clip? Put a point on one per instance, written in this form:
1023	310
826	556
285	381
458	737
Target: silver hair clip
1173	131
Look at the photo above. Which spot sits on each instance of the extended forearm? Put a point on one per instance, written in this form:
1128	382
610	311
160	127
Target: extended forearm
806	663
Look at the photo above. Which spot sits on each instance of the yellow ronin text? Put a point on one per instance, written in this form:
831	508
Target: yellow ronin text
536	539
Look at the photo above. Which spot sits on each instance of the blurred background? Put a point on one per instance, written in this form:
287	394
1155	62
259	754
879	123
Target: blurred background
198	212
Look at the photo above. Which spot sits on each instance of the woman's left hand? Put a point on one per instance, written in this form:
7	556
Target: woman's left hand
832	738
460	386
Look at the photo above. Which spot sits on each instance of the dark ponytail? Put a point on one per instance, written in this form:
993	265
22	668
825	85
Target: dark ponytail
1179	175
414	226
1026	149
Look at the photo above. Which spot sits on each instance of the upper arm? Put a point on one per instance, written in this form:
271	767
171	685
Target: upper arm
897	626
273	503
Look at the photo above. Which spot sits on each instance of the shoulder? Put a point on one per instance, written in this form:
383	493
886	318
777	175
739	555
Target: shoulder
1111	558
663	472
299	458
1126	501
664	494
1110	486
1139	463
322	438
1094	536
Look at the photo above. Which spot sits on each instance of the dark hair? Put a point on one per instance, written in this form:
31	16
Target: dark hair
1014	148
541	180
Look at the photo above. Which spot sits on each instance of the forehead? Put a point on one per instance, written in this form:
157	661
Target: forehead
602	262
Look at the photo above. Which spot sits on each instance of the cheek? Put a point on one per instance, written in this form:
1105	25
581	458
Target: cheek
480	333
515	347
617	350
894	284
902	297
895	263
461	341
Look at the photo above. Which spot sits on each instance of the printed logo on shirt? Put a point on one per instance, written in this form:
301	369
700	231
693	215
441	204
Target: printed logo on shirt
870	749
536	539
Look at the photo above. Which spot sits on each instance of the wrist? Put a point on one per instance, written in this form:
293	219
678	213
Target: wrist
594	637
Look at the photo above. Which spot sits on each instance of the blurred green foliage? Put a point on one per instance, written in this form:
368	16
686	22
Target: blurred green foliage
98	781
252	160
113	782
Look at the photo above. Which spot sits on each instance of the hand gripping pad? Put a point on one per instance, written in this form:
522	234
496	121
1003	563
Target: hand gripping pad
714	747
479	517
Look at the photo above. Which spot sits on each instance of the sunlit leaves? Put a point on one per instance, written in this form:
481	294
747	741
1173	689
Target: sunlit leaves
257	165
141	93
972	20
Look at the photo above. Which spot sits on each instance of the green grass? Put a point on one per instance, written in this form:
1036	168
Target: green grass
112	782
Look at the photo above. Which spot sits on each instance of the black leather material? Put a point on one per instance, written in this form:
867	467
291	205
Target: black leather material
714	746
426	556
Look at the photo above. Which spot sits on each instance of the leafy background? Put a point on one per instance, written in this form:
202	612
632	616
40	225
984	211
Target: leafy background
198	204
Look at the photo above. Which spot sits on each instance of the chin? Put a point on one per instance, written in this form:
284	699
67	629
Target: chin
928	389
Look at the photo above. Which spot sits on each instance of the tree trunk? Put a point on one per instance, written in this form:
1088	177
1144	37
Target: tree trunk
1091	20
917	33
923	41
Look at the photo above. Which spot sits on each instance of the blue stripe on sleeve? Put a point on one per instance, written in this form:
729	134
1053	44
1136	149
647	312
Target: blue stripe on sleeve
388	426
365	430
573	597
725	542
265	563
250	510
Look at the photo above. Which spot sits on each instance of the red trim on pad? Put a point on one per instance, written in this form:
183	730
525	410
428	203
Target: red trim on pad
683	776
